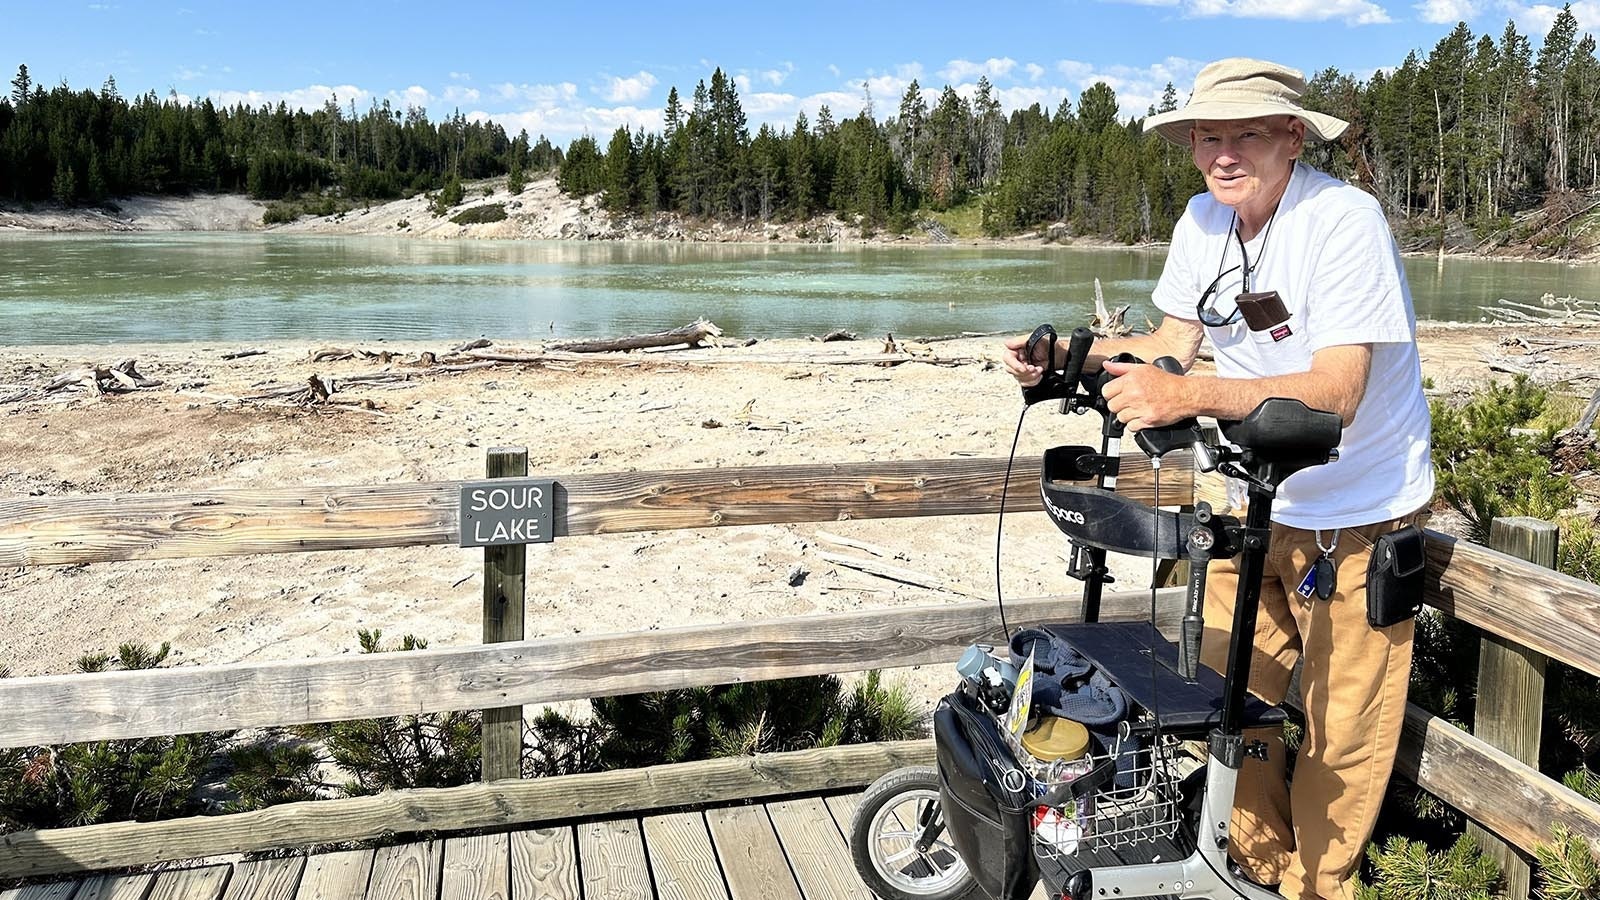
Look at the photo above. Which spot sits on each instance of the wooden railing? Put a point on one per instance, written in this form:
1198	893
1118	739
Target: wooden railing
1529	606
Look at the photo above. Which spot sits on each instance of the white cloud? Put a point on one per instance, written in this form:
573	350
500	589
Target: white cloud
460	76
963	70
776	77
1023	97
1034	70
1535	19
841	104
759	107
458	94
629	90
415	95
1351	12
833	70
563	124
1137	88
1446	12
565	92
314	97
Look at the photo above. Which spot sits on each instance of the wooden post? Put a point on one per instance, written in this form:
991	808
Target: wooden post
503	595
1510	712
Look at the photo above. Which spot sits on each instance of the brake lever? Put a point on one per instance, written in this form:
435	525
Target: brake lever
1158	442
1114	427
1050	384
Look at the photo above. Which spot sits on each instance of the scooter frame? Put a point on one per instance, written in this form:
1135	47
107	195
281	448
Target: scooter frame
1205	872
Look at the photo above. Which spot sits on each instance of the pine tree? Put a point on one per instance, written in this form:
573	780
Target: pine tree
672	119
802	175
1169	99
948	127
988	132
65	186
617	180
910	135
1097	108
21	88
1550	79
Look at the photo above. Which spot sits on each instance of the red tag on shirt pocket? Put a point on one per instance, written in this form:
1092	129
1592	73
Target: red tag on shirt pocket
1281	332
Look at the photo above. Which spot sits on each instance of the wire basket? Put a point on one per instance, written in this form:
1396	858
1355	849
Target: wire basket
1138	804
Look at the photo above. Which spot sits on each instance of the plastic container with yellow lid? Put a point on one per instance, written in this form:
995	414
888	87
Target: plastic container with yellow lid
1055	738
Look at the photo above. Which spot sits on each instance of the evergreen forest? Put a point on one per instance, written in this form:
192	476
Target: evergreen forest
1464	136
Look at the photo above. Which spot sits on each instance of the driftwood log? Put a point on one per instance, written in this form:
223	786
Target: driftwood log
1107	323
241	354
1586	421
478	344
839	334
692	335
119	378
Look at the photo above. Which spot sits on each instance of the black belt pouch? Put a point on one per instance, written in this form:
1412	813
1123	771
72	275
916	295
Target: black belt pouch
1394	577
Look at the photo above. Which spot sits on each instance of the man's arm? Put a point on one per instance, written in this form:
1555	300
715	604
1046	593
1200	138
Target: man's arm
1144	396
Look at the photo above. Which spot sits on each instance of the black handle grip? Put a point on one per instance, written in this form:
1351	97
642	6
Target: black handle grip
1158	442
1078	345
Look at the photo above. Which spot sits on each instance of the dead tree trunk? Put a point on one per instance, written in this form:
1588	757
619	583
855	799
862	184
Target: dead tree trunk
691	334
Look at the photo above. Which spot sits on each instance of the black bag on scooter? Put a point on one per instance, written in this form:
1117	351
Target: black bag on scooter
987	820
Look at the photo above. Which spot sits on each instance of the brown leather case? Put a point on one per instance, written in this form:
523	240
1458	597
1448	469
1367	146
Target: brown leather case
1263	310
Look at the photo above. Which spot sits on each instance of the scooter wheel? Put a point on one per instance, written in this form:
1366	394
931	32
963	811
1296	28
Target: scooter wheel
883	841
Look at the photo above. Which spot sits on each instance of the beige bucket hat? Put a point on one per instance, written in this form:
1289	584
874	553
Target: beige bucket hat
1241	88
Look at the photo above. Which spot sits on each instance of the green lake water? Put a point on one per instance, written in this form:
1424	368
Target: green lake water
231	287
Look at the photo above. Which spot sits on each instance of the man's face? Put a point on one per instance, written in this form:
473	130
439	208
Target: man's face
1247	162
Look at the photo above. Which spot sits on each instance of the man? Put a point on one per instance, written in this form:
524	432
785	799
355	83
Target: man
1344	339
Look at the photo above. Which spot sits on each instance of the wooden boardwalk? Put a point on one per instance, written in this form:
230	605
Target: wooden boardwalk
785	850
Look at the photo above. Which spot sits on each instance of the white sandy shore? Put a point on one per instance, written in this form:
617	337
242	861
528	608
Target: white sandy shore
655	413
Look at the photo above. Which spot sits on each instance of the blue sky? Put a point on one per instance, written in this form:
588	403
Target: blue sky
561	68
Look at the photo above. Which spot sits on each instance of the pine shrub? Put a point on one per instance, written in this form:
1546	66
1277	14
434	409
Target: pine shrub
432	750
450	195
1408	870
726	720
1488	466
477	215
106	781
1567	868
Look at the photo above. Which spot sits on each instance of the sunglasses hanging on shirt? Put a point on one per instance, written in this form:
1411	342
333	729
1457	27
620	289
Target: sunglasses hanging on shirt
1206	309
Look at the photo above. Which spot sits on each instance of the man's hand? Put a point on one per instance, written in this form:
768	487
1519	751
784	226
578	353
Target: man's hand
1027	372
1143	396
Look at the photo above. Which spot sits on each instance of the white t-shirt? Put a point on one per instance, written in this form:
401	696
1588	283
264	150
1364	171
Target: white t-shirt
1332	259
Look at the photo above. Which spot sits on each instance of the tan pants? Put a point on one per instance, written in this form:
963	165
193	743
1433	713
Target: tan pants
1311	836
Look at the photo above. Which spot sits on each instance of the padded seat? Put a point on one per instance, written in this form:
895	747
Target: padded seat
1123	651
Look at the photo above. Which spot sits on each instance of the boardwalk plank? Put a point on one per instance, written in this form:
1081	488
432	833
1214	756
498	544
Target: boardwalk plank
817	852
544	865
751	856
407	872
190	884
843	807
477	867
336	876
265	879
55	890
611	857
681	858
115	887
